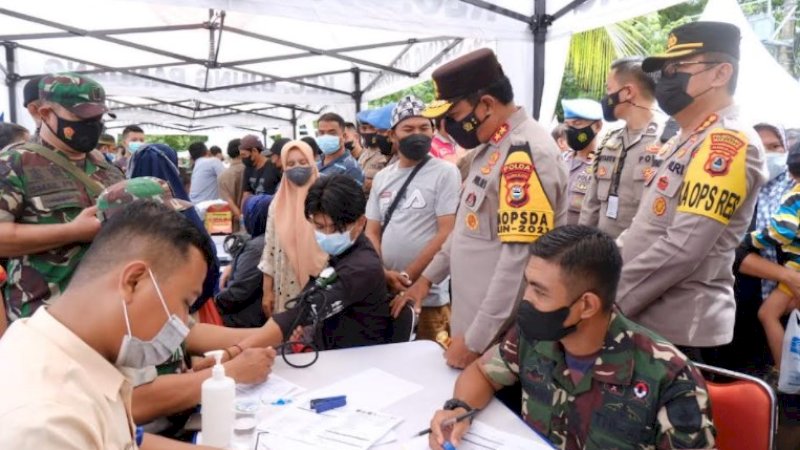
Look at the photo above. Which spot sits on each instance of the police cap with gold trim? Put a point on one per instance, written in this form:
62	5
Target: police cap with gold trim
461	77
695	38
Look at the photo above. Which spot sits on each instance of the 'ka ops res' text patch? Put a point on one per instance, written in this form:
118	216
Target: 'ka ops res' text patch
716	179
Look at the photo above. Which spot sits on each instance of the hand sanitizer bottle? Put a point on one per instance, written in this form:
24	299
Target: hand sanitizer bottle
217	400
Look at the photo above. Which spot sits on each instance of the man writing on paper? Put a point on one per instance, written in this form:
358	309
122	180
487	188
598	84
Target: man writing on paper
591	378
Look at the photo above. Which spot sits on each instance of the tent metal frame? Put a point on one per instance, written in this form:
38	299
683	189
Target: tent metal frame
538	23
216	28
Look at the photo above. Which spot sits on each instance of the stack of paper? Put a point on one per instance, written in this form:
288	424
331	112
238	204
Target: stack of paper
483	437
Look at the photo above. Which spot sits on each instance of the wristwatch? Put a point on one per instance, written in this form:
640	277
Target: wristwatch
454	403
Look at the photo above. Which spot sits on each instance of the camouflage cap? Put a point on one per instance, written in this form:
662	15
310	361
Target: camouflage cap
116	196
81	95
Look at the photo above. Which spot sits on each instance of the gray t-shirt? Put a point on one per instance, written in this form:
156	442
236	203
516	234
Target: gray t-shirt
433	192
204	179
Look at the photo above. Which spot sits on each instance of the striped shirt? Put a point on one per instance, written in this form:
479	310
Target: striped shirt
781	231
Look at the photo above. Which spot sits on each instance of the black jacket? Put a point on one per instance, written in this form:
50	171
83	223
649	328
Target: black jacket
240	302
356	310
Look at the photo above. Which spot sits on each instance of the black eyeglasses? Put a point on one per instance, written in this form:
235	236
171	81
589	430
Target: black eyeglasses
671	69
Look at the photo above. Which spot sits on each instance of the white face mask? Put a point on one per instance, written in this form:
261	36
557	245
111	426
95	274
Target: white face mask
776	164
137	354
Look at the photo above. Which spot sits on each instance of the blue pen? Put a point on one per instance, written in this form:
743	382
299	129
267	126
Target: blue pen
448	446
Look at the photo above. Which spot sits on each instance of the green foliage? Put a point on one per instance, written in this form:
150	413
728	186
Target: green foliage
423	91
178	142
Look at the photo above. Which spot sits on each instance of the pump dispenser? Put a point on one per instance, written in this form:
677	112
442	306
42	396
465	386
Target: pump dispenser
217	400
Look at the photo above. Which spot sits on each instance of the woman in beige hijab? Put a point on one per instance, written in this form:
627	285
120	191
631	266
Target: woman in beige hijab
291	254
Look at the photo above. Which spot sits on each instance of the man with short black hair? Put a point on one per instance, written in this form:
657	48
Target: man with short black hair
206	170
591	378
30	94
627	154
61	384
352	140
679	250
336	159
353	310
216	152
275	152
261	175
230	182
132	140
12	134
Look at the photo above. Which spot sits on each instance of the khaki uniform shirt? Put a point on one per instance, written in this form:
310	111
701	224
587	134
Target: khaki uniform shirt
514	193
60	393
678	254
580	174
371	161
618	179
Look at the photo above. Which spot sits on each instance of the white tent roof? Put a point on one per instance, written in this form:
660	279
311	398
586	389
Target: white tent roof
191	64
766	92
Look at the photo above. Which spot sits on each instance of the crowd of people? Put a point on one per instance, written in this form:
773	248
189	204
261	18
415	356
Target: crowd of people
575	273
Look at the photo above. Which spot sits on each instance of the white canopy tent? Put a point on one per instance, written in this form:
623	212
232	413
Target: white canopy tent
766	92
187	65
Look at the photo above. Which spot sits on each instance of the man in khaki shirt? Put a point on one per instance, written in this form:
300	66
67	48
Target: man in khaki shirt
374	126
626	154
126	306
230	183
514	193
678	253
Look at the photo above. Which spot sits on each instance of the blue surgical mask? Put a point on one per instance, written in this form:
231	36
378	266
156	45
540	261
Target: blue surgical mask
334	244
776	164
135	146
328	144
138	354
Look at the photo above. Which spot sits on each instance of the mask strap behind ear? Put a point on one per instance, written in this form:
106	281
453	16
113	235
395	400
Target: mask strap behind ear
125	313
158	291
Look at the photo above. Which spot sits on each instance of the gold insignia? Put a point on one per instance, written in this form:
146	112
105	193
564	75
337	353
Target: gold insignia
472	221
672	41
660	206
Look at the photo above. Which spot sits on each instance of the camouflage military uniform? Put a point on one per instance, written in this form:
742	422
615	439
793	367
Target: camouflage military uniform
36	191
641	392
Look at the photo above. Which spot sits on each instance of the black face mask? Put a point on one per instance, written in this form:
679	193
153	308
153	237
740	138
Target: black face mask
81	136
349	146
415	146
383	144
535	325
248	162
580	138
465	131
671	91
609	102
368	140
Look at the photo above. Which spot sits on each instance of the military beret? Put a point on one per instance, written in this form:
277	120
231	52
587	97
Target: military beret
79	94
115	197
582	108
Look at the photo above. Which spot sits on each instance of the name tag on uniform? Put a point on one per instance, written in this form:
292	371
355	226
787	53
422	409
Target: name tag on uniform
613	207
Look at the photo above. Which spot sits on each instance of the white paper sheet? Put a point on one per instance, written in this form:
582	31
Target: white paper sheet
274	389
345	428
372	389
483	437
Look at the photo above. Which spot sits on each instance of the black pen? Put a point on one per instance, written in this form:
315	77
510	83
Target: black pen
452	421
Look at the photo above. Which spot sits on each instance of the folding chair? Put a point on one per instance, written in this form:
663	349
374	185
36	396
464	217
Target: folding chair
744	410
